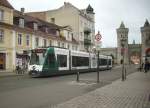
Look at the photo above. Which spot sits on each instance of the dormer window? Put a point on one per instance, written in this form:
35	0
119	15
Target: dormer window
46	29
1	15
21	22
35	26
53	20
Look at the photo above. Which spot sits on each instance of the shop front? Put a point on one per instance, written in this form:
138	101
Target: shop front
22	60
2	61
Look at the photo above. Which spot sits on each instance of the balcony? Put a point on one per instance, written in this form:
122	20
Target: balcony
87	30
87	41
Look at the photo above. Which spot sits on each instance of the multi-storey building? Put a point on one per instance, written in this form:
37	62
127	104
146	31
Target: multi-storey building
20	33
6	35
82	23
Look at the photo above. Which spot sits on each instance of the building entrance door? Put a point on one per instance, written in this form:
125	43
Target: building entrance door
2	60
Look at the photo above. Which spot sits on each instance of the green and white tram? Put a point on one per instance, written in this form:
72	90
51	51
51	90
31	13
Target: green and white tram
57	61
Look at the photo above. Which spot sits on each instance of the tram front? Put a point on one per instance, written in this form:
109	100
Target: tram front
37	59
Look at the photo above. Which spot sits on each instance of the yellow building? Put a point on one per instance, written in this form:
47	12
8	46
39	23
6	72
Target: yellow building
20	33
6	43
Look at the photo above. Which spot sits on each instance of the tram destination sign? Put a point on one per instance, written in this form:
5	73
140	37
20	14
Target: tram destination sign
39	50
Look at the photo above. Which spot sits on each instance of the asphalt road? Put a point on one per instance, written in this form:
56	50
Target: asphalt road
26	92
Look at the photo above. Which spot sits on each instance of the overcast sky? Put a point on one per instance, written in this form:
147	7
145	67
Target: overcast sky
108	15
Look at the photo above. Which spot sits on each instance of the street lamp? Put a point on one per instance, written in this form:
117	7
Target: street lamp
123	41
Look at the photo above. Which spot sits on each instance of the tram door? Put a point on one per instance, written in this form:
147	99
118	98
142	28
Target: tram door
2	61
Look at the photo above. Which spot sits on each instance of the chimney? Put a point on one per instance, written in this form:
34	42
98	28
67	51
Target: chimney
22	10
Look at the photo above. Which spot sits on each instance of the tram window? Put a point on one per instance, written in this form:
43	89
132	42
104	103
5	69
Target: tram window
51	58
34	59
74	60
62	60
80	61
102	62
109	61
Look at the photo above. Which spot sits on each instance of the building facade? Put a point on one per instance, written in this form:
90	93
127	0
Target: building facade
82	23
145	36
6	35
19	33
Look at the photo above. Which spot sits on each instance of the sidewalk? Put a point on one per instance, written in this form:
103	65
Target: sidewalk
132	93
5	73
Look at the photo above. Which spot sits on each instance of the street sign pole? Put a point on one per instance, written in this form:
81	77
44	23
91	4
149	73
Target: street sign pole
98	45
98	67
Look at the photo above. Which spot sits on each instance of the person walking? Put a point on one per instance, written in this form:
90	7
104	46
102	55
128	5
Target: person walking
146	67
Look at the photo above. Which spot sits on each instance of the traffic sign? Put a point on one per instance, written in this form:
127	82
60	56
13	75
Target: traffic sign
98	36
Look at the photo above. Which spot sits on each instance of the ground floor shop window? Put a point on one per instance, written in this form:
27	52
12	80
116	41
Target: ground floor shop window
2	60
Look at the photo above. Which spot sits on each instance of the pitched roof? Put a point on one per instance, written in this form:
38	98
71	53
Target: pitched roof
122	25
89	9
5	3
29	18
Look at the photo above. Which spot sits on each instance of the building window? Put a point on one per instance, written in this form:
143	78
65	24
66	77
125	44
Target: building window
63	45
46	30
68	46
81	34
72	36
21	22
53	20
76	48
50	43
58	44
1	35
68	35
121	36
37	42
19	39
81	23
27	40
73	47
45	42
1	15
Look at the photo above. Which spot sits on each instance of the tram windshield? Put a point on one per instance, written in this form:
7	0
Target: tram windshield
37	58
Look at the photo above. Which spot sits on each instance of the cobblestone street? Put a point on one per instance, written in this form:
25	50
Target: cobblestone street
132	93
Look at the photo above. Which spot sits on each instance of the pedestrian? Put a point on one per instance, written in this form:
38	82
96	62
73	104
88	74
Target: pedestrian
17	69
142	67
146	67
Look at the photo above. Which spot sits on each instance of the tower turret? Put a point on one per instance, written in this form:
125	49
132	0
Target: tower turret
122	43
89	10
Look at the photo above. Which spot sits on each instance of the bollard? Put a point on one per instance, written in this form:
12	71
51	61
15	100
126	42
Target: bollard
98	77
78	76
125	76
